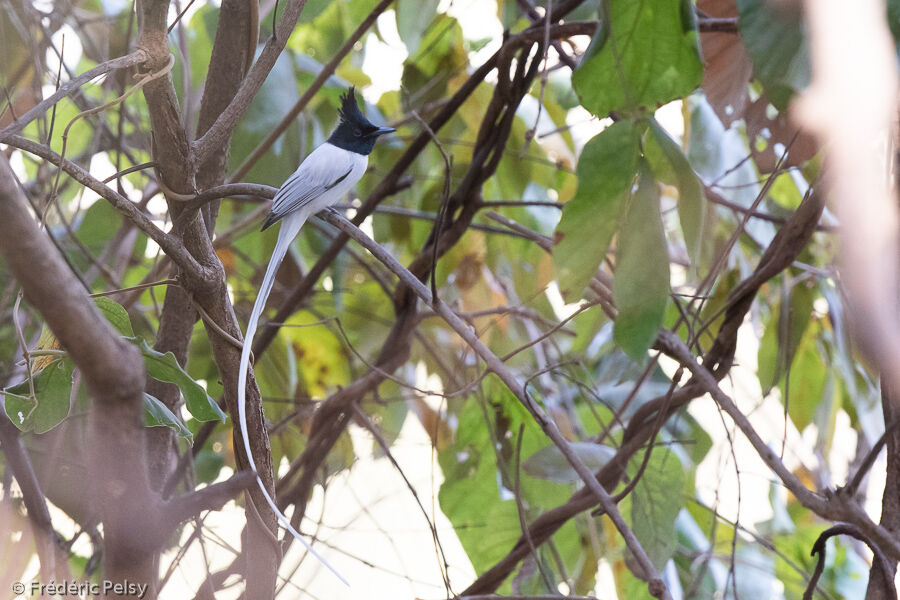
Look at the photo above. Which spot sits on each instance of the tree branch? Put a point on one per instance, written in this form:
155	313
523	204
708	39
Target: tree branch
220	132
212	497
880	561
830	506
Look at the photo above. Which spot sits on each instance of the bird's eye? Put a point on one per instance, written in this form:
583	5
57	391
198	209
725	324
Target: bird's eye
357	132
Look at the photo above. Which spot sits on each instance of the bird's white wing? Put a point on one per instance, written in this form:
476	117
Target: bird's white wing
323	171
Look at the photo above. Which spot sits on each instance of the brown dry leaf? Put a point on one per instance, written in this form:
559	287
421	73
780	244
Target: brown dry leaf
728	68
16	74
764	133
226	256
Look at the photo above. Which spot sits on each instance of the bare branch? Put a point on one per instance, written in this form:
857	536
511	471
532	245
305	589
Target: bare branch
212	497
880	559
831	506
123	62
218	135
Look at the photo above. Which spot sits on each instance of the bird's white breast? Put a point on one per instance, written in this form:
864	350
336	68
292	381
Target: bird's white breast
336	162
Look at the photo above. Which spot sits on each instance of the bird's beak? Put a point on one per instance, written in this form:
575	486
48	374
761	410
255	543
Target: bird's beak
384	130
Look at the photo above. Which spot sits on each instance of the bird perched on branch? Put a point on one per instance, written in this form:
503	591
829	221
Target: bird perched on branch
327	174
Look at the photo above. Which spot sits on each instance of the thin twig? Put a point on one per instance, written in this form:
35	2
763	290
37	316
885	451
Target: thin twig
220	131
445	199
145	79
178	18
173	247
382	443
123	62
853	531
520	510
868	461
836	507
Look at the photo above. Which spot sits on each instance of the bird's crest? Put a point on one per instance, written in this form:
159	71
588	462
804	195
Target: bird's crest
349	110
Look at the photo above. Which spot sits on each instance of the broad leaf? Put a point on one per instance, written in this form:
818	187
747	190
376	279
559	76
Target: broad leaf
783	334
116	315
207	465
157	414
641	285
605	174
776	45
53	390
644	55
671	166
655	503
413	18
164	367
804	389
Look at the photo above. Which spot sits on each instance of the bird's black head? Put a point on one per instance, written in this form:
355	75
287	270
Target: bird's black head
355	133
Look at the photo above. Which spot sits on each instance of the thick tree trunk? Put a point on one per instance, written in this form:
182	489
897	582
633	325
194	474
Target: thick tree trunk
113	371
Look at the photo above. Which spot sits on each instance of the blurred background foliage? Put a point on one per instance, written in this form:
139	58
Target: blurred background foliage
660	162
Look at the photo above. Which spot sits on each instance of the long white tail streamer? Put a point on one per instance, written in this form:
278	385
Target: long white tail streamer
290	227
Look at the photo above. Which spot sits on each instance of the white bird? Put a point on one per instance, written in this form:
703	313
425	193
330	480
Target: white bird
327	174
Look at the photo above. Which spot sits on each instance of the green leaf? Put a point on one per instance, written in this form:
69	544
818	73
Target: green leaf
207	465
79	136
769	369
116	314
320	354
644	55
776	45
713	311
96	227
479	476
641	285
605	175
783	334
53	390
655	503
274	100
550	464
413	18
440	54
808	375
671	166
157	414
486	523
312	9
164	367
